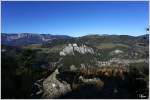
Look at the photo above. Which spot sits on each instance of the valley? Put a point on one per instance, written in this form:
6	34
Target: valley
92	66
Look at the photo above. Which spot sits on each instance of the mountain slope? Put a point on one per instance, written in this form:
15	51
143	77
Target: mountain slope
28	38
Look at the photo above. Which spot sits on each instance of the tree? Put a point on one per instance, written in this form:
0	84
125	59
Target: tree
25	60
147	29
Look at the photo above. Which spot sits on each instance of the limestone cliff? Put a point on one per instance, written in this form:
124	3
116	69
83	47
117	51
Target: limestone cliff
72	48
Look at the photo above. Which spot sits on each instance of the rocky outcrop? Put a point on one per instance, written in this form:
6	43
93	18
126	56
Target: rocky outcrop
117	51
92	80
73	68
95	81
123	62
53	88
72	48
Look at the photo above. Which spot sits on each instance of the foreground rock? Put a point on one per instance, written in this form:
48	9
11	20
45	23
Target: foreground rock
54	88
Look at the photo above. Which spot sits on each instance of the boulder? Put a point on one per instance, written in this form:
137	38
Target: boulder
54	88
73	68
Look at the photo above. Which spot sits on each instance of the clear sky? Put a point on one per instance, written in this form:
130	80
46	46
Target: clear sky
75	18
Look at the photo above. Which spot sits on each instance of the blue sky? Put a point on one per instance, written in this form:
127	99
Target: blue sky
75	18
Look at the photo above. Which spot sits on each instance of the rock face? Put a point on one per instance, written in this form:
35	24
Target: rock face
53	88
71	48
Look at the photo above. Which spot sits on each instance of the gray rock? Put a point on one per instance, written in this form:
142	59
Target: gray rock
90	80
53	88
117	51
73	68
71	48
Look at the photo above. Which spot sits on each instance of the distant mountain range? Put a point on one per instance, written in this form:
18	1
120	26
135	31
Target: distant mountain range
16	39
21	39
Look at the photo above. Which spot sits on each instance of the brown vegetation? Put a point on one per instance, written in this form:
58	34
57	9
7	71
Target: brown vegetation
103	71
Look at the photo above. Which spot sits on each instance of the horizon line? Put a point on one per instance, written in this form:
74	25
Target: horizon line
70	35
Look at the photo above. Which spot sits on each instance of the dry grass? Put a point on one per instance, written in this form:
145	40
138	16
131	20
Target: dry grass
110	45
56	48
33	46
104	71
